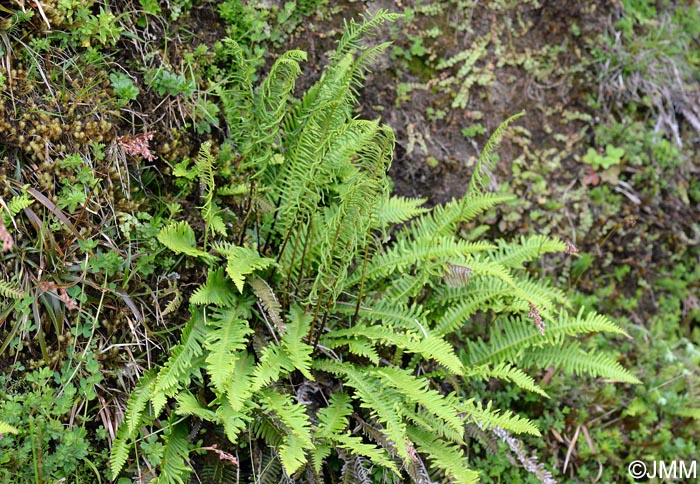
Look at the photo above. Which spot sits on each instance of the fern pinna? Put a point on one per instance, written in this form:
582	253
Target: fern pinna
318	347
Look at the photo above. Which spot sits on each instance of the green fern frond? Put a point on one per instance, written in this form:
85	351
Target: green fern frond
486	417
416	390
477	184
333	419
395	315
507	372
19	203
241	261
6	428
354	32
355	446
530	248
445	456
133	419
218	290
424	343
239	389
374	397
174	468
179	237
274	361
397	210
293	341
177	371
11	290
515	335
687	412
465	302
227	336
234	421
443	220
404	254
187	404
297	441
571	358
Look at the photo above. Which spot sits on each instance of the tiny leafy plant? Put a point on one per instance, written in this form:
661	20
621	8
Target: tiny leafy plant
123	86
36	442
322	342
612	156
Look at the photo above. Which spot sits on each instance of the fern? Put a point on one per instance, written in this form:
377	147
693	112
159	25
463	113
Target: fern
11	290
575	360
226	337
177	371
241	261
179	237
337	328
6	428
477	184
293	344
173	465
218	290
19	203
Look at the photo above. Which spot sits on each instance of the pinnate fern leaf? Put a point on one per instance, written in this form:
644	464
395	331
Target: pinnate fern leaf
6	428
242	261
174	468
218	290
226	337
179	237
293	341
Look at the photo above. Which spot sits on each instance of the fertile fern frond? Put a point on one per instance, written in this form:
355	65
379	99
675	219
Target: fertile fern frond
179	237
477	183
354	32
210	211
269	302
271	102
236	94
